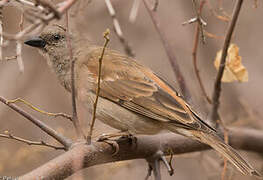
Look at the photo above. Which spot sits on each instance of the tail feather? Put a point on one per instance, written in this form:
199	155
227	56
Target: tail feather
213	140
228	152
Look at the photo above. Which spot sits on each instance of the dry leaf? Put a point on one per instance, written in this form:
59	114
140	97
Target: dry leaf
234	69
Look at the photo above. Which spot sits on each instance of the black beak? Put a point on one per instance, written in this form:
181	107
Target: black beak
36	42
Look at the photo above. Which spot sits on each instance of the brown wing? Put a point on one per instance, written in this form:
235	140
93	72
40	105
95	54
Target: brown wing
138	89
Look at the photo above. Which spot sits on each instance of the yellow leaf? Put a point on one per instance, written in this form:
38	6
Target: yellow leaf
234	69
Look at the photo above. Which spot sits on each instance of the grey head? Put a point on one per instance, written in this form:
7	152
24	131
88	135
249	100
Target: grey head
52	44
52	38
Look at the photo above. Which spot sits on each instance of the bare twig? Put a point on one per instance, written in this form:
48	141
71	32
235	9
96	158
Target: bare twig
169	51
40	22
29	142
107	39
200	21
155	5
10	58
39	110
117	29
19	56
197	19
30	4
75	119
3	2
50	6
60	138
226	139
255	3
214	116
223	17
214	36
66	5
194	55
134	10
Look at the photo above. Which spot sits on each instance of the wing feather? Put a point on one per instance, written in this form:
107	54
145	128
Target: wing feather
138	89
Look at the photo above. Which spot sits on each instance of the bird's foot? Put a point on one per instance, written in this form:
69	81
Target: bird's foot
114	137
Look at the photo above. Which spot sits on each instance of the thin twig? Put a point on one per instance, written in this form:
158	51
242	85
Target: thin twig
117	29
155	5
19	59
39	22
3	2
75	118
30	4
50	6
39	110
107	39
194	55
255	3
199	19
214	116
59	137
223	17
19	56
226	139
169	51
134	10
10	58
29	142
66	5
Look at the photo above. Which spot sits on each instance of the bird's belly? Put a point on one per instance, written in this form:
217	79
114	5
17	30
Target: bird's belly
123	119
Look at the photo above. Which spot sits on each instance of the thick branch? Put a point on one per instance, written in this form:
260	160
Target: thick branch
217	86
146	146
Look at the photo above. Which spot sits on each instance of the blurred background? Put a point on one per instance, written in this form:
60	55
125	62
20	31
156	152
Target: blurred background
240	102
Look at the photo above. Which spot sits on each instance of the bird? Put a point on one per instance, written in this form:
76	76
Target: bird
132	97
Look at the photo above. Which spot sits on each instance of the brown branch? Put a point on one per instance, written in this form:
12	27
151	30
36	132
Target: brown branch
29	142
214	116
169	51
146	146
106	37
117	29
60	138
75	119
198	18
194	55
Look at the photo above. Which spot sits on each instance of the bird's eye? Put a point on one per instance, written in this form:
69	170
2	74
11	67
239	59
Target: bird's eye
57	36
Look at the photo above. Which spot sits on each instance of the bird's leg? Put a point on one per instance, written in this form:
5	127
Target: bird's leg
154	165
107	138
114	135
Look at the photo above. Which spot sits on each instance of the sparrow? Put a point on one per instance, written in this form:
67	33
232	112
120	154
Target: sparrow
132	97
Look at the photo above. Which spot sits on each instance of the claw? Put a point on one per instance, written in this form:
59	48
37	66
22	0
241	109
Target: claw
106	138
